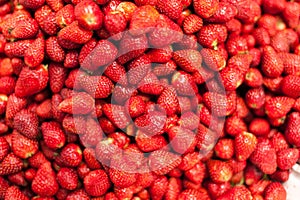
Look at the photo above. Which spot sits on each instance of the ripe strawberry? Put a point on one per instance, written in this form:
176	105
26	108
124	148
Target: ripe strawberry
211	35
44	183
70	156
280	175
34	55
151	85
280	42
291	14
236	192
217	189
26	122
286	158
290	63
264	156
32	4
4	148
74	124
273	7
205	9
18	179
162	162
182	140
7	84
116	114
225	12
172	9
93	133
49	25
65	16
245	143
31	81
188	60
160	55
194	194
259	187
261	36
174	188
278	106
80	103
13	192
96	183
138	69
143	19
275	191
10	164
168	100
22	146
255	98
212	59
37	160
136	106
272	65
184	84
121	178
55	101
116	73
75	33
127	8
89	155
41	13
289	86
53	50
232	78
219	171
57	76
71	59
252	175
55	5
159	187
17	48
53	135
67	178
259	127
149	144
253	78
115	22
25	29
224	148
4	186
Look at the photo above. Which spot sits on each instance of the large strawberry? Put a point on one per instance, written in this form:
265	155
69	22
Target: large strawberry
10	164
278	106
13	192
96	183
22	146
245	144
53	135
75	33
272	65
26	122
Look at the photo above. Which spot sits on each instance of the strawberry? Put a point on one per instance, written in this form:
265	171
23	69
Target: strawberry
161	55
13	192
41	13
253	78
80	103
184	83
162	162
143	19
53	50
26	122
55	5
138	69
168	100
197	173
88	15
211	35
115	22
261	36
259	187
292	128
245	143
280	42
272	65
151	123
235	125
67	178
37	160
34	55
188	120
70	156
25	29
17	49
280	175
252	175
205	9
93	133
219	171
236	192
127	8
7	85
291	14
158	188
96	183
121	178
71	59
136	106
225	12
194	194
22	146
89	155
172	9
31	81
259	127
74	124
289	86
116	73
264	156
188	60
255	98
232	78
4	186
57	76
53	135
149	144
217	189
286	158
278	106
32	4
78	194
174	188
212	59
4	148
273	7
55	101
49	24
44	109
65	16
279	141
224	148
296	106
10	164
44	183
182	140
18	179
150	84
75	33
116	114
275	191
290	63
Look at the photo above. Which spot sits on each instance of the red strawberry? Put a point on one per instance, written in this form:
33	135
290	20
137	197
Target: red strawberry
70	156
143	19
174	188
115	22
149	144
138	69
121	178
205	9
292	129
49	24
4	186
93	133
291	14
236	192
279	141
280	175
13	192
55	5
41	13
31	81
264	156
7	85
273	7
65	16
259	127
189	60
278	106
245	143
4	148
37	160
158	188
188	120
116	114
18	179
225	12
184	83
275	191
252	175
289	86
17	49
53	135
136	106
172	9
280	42
31	4
217	189
57	76
224	148
67	178
74	124
14	105
71	59
150	84
44	183
162	162
116	73
25	29
197	173
272	65
26	122
151	123
182	140
255	98
55	101
286	158
290	62
96	183
219	171
53	50
80	103
211	35
193	194
22	146
232	78
10	164
127	8
90	158
261	36
75	33
253	78
34	55
161	55
89	15
259	187
168	100
213	59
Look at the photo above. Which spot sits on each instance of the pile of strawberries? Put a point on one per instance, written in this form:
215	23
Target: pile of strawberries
148	99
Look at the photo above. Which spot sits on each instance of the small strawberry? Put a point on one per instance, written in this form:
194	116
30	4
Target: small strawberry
255	98
225	12
151	85
18	179
272	65
71	59
115	23
53	135
286	158
96	183
22	146
7	85
259	187
127	8
31	81
26	122
13	192
67	178
168	100
25	29
55	101
149	144
280	175
55	5
217	189
289	86
259	127
80	103
232	78
253	78
224	148
205	9
162	162
182	140
161	55
10	164
44	183
49	25
172	9
264	156
70	156
290	62
65	16
159	187
184	84
116	114
41	13
174	188
31	4
245	143
37	160
278	106
138	69
136	106
236	192
53	50
280	42
17	48
93	133
34	55
121	178
212	59
261	36
57	76
275	191
211	35
252	174
291	14
75	33
273	7
4	148
74	124
189	60
219	171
